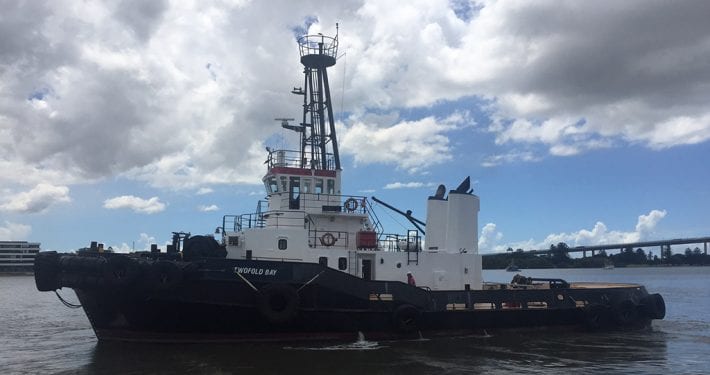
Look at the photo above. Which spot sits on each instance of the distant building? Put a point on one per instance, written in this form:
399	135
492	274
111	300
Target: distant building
17	256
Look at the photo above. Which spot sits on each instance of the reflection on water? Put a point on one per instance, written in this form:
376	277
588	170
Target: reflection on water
643	352
40	335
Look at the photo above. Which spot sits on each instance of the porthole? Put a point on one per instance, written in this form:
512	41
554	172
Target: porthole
399	265
342	263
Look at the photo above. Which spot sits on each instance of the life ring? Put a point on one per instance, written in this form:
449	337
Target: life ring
405	319
625	312
653	306
350	205
120	270
596	316
327	239
278	303
165	275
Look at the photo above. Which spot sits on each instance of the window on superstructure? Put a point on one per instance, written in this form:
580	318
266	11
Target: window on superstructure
272	185
284	183
331	186
283	244
323	261
295	193
306	185
342	263
319	186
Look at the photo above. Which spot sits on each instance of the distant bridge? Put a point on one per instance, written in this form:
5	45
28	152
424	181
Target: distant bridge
664	245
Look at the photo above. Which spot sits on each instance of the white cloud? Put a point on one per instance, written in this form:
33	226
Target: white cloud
408	185
646	223
39	199
188	88
204	191
512	157
410	145
139	205
14	231
209	208
490	239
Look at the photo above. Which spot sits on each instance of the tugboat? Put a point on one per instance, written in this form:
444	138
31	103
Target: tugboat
314	263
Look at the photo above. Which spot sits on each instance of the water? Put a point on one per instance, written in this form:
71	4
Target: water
40	335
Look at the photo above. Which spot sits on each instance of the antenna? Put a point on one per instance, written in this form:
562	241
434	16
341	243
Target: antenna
286	125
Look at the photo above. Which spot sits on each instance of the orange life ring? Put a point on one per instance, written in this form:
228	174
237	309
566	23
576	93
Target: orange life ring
350	204
327	239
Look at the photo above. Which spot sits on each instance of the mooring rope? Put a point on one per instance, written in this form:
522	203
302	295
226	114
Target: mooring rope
66	303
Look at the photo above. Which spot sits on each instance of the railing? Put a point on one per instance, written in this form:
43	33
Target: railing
318	45
312	202
292	159
411	242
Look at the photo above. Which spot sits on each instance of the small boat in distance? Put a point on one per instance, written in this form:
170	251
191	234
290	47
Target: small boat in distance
512	267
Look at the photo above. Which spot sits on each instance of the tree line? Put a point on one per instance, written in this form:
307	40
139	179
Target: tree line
559	257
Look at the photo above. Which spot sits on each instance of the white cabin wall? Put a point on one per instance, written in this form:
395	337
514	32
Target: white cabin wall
462	223
436	218
263	242
438	271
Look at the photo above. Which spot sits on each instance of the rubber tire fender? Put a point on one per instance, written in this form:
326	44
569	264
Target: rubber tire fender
46	270
625	312
405	318
653	306
165	275
278	303
120	270
596	316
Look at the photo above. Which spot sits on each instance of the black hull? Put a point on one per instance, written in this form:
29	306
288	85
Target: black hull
206	300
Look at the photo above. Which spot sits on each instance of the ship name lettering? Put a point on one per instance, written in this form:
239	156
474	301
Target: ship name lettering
255	271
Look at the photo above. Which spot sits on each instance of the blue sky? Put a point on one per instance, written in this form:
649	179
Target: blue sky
584	123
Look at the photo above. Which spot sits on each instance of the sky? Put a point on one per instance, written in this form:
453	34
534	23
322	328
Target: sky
579	122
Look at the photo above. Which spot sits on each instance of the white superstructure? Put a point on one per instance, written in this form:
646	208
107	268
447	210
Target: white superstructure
307	218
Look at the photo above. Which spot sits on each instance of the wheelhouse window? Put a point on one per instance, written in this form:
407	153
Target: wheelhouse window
319	186
295	193
271	185
284	183
331	186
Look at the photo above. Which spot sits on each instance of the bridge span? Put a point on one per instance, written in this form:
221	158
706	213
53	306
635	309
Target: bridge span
664	245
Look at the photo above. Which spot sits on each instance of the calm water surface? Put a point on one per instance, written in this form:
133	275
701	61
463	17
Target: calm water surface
39	335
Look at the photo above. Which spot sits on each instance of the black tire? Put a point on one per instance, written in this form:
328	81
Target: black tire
46	269
165	275
120	270
625	313
278	303
405	319
653	306
596	316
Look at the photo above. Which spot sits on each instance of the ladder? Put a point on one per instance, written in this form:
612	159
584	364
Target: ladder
412	248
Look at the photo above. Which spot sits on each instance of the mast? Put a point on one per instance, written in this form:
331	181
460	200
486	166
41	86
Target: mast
318	52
